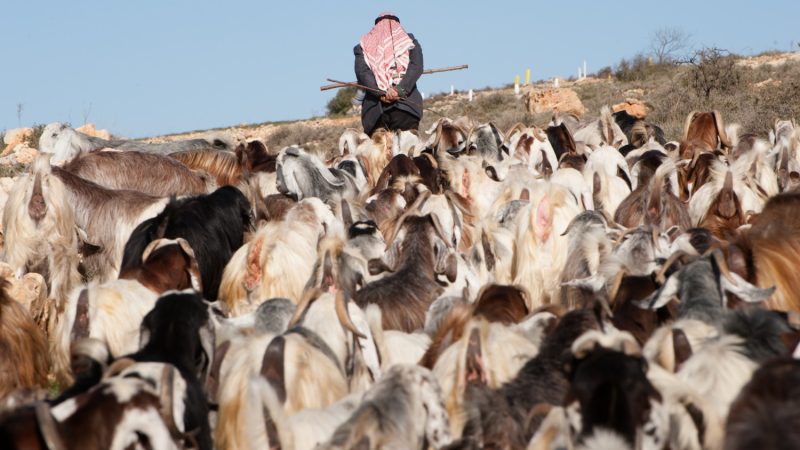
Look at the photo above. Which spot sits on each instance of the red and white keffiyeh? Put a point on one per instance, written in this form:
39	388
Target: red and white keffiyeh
386	49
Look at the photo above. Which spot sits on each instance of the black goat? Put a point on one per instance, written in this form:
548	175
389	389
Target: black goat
178	331
213	224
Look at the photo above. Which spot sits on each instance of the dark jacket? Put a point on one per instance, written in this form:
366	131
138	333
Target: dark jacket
372	108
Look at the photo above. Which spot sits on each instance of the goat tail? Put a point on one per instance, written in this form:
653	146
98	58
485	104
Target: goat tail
607	125
276	427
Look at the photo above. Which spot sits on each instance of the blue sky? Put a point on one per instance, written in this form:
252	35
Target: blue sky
145	68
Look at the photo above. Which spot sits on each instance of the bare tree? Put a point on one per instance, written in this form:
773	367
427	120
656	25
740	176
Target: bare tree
667	43
713	69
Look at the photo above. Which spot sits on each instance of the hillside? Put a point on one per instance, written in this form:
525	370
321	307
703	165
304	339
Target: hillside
751	91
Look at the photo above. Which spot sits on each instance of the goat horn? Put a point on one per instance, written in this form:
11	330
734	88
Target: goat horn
615	285
724	141
48	427
411	210
118	366
165	397
678	255
517	126
626	233
437	226
308	297
719	258
344	315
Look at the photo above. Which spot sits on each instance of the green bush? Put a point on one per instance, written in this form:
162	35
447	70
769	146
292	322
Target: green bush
33	139
341	103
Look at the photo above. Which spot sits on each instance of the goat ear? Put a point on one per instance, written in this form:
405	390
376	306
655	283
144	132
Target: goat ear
446	262
727	198
377	266
347	216
327	282
681	347
593	283
546	168
525	195
488	252
741	288
86	248
207	340
661	297
491	172
474	371
733	283
193	270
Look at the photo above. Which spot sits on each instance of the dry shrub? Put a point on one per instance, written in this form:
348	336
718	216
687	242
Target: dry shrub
321	138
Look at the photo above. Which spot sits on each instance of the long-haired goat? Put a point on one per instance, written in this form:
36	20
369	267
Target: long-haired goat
403	410
503	417
417	253
654	203
154	174
766	414
278	261
66	143
118	413
39	227
541	249
25	358
178	331
773	243
703	131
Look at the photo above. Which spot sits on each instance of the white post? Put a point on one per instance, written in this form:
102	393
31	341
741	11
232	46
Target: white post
579	72
422	94
555	82
470	95
452	89
584	68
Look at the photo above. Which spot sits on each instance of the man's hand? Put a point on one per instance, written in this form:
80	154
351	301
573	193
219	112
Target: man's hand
391	96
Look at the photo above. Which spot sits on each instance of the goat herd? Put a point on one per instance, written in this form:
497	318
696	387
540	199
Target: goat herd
584	286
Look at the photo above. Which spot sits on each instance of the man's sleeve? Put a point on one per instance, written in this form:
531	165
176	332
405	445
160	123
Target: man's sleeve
364	75
414	70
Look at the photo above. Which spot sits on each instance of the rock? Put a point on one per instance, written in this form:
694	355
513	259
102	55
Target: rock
29	288
24	154
91	130
633	107
15	136
562	100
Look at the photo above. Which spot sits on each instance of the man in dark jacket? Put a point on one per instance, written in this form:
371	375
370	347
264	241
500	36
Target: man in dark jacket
390	61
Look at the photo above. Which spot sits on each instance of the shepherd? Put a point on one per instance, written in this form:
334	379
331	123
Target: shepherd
389	60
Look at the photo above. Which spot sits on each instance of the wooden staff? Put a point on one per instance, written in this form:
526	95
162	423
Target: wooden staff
381	93
341	84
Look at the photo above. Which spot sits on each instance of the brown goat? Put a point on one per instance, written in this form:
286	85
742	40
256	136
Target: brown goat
654	204
774	242
765	414
704	131
228	168
504	304
155	174
725	213
413	284
108	216
24	362
166	265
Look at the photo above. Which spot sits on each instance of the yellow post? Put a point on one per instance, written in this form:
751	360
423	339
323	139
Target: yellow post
516	80
527	77
516	84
